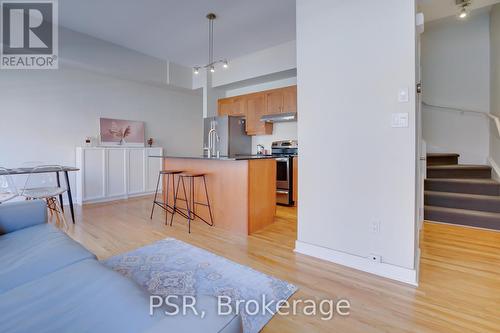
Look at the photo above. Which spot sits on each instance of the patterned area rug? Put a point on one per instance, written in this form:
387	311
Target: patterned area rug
172	267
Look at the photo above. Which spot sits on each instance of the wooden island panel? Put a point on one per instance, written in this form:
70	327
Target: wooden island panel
261	194
241	193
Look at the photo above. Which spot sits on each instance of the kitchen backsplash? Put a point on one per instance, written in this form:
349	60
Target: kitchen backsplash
282	131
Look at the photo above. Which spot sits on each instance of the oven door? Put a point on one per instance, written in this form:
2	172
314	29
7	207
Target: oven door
283	173
283	197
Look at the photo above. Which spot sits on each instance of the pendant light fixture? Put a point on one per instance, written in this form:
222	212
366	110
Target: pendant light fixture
463	6
211	63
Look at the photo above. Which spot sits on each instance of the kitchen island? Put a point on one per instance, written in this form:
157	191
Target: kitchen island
242	189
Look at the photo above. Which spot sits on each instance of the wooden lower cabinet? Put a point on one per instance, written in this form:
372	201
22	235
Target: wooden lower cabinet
242	193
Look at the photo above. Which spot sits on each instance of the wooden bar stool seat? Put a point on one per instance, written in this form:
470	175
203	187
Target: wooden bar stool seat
164	205
192	174
190	211
170	172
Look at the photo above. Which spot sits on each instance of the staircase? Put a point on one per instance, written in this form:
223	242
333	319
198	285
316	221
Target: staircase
461	194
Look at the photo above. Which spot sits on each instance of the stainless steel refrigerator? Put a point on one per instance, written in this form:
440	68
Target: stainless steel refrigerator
233	139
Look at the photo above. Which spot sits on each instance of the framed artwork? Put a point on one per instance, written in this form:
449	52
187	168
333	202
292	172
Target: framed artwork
118	132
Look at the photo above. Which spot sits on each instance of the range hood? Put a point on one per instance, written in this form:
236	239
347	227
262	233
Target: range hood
279	117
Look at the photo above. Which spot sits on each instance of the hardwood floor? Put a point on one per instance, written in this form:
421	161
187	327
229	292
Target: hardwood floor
459	287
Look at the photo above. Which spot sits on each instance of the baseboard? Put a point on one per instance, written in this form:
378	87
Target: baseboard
393	272
417	265
495	167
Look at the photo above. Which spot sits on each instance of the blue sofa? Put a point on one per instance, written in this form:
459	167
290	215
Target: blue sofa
50	283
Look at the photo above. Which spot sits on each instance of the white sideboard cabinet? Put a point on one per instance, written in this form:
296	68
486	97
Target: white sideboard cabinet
113	173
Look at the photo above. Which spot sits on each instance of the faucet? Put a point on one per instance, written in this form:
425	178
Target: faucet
213	137
208	151
260	149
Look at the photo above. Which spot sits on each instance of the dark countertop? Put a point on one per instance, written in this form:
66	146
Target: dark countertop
221	158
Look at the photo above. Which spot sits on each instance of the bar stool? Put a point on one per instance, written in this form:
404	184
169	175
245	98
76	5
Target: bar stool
164	205
8	189
190	211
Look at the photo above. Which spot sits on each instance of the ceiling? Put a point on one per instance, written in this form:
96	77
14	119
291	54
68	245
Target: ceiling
177	30
436	9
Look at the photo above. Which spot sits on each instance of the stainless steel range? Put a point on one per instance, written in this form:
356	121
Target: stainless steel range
284	152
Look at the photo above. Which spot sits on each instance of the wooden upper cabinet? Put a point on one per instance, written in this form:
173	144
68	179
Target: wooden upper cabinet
290	99
282	100
274	101
238	106
224	107
234	106
256	108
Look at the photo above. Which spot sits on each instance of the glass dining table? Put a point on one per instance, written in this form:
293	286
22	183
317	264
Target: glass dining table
64	169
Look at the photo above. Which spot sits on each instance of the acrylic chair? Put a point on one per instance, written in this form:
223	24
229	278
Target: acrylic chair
43	184
8	190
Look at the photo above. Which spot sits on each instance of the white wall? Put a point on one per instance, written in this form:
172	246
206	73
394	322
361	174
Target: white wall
210	97
281	131
352	58
495	82
96	55
456	73
268	61
45	114
267	85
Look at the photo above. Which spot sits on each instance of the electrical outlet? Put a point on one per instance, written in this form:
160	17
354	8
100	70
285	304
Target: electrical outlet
375	226
400	120
375	258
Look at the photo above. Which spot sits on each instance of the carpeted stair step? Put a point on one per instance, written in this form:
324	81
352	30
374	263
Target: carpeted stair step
486	203
459	171
442	159
471	186
471	218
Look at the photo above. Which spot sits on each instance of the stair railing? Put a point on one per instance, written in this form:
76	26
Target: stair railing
491	117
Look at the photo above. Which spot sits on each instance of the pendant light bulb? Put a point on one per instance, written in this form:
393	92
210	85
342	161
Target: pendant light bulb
225	64
212	69
196	70
463	13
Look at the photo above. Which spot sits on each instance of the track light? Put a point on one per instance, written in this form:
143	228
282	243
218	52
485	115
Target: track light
463	5
211	62
463	13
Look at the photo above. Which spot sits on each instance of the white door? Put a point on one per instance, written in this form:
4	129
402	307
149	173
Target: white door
136	171
93	174
115	173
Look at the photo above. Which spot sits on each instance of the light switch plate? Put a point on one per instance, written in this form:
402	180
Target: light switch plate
403	95
399	120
